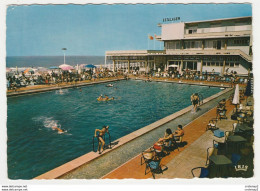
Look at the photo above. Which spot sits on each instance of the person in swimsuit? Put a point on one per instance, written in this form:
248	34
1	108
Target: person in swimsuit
58	129
178	133
195	101
167	137
100	98
101	141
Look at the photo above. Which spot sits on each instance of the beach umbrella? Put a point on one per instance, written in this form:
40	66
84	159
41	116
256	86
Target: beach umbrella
236	96
28	70
66	67
90	66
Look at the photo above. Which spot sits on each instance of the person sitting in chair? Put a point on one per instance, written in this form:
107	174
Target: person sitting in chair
178	133
167	137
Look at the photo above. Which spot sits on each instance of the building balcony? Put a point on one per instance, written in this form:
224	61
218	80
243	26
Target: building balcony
229	34
211	52
134	52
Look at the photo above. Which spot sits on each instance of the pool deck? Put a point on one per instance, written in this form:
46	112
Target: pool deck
179	163
44	88
183	81
113	163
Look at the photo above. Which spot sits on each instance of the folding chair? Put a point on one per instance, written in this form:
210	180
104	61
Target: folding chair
204	172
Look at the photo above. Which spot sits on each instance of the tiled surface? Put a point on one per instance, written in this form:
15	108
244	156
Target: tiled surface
180	162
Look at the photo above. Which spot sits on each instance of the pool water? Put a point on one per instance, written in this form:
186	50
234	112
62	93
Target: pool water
34	148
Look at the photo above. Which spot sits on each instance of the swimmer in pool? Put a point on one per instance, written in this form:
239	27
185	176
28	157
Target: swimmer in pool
106	98
58	129
100	97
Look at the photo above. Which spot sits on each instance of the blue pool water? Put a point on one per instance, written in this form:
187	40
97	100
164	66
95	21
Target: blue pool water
34	148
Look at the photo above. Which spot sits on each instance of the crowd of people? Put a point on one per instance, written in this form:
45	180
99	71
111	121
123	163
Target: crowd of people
58	76
231	77
22	79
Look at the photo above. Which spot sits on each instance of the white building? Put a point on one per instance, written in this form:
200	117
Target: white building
222	45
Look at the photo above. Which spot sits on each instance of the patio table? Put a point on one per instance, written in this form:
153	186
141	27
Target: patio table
235	143
221	163
243	127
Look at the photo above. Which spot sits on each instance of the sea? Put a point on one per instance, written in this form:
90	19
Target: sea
48	61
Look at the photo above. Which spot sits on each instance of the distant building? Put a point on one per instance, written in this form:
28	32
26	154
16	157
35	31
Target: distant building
222	45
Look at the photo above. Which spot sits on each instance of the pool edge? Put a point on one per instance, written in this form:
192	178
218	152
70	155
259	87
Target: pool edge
88	157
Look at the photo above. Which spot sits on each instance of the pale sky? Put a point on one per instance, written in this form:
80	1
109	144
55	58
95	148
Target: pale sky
39	30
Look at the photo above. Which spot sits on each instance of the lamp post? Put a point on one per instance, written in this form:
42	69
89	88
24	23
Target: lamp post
64	49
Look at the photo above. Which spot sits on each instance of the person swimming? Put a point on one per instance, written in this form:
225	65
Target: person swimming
58	129
109	85
100	98
105	98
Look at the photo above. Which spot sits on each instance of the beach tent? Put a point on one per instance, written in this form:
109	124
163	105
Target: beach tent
90	66
54	67
173	66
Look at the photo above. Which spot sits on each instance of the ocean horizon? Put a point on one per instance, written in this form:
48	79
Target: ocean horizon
48	61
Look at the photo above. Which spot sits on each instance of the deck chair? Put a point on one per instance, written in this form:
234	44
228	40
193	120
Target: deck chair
235	158
204	172
147	156
211	151
170	146
153	166
159	150
241	118
221	143
179	142
212	125
222	114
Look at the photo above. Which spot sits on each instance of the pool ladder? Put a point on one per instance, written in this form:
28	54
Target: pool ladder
201	98
104	137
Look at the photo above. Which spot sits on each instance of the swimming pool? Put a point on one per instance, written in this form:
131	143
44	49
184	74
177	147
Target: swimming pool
34	148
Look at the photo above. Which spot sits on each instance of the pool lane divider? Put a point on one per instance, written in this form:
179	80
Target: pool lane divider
84	159
41	90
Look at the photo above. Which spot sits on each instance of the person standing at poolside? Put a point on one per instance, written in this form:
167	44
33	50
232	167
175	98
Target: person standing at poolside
195	101
101	141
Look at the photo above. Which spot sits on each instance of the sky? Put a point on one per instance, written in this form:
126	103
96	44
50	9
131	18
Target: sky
90	30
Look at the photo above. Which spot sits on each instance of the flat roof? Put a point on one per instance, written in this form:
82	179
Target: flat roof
225	19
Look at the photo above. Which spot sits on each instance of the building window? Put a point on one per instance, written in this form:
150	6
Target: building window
204	63
217	63
236	64
243	42
192	31
192	44
231	64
